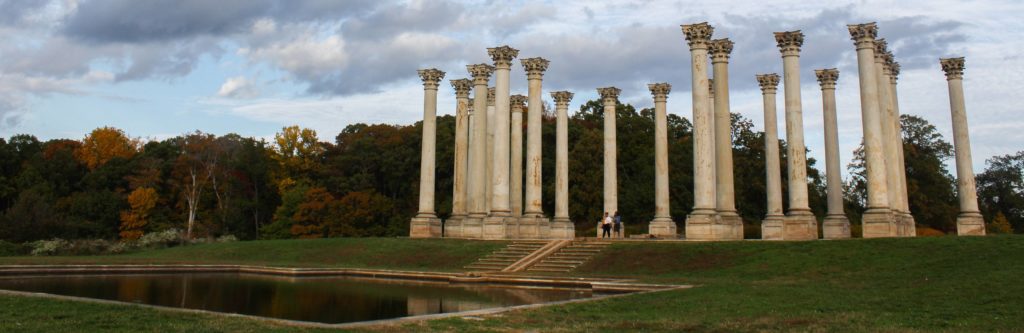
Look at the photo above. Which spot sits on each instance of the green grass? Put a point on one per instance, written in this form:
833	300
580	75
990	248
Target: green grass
953	284
382	253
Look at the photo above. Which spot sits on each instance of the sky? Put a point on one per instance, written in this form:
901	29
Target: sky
162	68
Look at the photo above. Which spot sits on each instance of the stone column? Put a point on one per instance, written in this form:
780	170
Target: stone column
800	222
495	225
836	225
453	226
610	97
490	148
888	137
426	224
516	156
969	221
472	226
700	224
877	221
662	225
561	226
909	225
771	226
535	68
725	190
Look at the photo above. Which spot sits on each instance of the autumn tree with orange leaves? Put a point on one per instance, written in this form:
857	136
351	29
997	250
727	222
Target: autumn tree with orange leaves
104	144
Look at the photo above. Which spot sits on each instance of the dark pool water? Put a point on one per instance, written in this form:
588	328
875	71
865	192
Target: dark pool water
318	299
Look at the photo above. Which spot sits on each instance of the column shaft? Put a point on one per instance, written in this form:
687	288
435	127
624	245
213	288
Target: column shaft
562	99
610	96
426	223
903	194
796	161
698	36
502	57
887	120
969	221
662	224
461	147
491	122
724	189
535	68
768	83
516	156
478	148
836	224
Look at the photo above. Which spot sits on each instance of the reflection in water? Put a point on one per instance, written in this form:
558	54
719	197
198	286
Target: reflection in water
319	299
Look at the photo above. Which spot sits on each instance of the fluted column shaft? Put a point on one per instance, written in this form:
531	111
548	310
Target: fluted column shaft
796	161
878	189
535	68
609	96
431	78
769	84
462	88
889	148
698	36
478	149
969	221
562	99
516	156
725	189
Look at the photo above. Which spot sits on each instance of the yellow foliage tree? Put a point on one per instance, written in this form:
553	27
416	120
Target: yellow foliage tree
298	151
1000	225
142	201
104	144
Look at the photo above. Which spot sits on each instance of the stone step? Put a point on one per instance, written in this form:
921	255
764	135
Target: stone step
562	262
552	270
544	265
486	266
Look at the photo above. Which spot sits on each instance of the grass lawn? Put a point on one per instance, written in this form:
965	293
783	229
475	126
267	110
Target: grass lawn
954	284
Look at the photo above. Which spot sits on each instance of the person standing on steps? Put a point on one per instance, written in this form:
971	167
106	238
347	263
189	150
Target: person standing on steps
606	226
618	225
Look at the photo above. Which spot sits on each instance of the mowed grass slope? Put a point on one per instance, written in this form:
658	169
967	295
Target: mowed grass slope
381	253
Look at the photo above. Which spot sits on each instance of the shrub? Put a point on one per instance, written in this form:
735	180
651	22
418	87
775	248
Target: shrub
120	247
49	247
12	249
227	238
86	247
166	238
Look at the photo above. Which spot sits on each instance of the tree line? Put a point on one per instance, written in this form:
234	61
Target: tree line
109	185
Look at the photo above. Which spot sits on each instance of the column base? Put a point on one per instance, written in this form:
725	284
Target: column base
878	223
495	227
712	227
970	224
472	227
452	227
528	227
835	227
663	227
425	227
562	228
771	227
908	227
800	227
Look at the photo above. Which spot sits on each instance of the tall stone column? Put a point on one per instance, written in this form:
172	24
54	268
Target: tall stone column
490	149
610	97
561	226
836	225
889	149
495	225
725	190
877	220
426	224
771	226
662	225
800	223
701	223
516	155
535	68
969	222
453	226
909	225
472	226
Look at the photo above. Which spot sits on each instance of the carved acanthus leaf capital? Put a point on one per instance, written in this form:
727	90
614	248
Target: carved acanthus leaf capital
881	48
562	97
720	49
698	35
711	87
462	87
789	41
827	77
502	55
863	35
431	77
481	73
768	82
609	93
535	67
469	107
894	69
490	96
518	102
660	89
954	67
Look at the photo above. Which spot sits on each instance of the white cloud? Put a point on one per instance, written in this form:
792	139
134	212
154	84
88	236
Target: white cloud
237	87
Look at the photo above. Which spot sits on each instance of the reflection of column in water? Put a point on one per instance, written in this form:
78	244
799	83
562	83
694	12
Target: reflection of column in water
418	305
184	288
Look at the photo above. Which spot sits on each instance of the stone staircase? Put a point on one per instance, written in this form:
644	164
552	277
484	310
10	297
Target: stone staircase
499	260
569	257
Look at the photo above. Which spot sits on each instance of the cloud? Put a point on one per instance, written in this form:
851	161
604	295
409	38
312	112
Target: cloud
237	87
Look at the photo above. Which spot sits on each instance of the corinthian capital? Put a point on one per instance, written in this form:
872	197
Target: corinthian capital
462	87
518	102
534	67
720	49
954	67
660	90
490	96
502	56
827	77
562	97
481	73
894	69
881	48
789	41
863	35
768	82
609	93
698	35
431	77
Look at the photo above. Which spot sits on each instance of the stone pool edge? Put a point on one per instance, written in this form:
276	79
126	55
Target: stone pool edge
617	288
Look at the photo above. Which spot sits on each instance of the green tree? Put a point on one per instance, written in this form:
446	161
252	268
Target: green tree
1001	189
